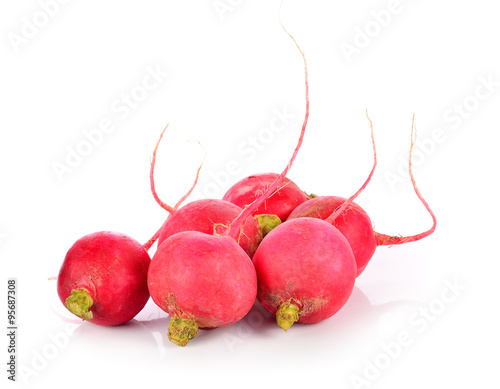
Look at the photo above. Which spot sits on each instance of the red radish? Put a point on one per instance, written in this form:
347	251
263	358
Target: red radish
354	222
306	271
208	281
202	281
281	203
203	215
103	278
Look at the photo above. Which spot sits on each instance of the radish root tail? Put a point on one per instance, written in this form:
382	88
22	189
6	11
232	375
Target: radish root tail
235	229
152	180
388	240
171	210
153	239
348	202
176	207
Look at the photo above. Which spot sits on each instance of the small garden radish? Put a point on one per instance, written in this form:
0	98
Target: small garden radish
354	223
281	203
306	271
205	280
202	281
103	278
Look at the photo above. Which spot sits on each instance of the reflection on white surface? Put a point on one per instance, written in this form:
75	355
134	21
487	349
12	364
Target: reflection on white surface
142	343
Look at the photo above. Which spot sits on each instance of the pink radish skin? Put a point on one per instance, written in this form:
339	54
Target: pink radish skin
306	271
354	223
103	278
205	215
281	203
201	281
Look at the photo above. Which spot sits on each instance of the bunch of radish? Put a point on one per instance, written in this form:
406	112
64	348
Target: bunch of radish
266	239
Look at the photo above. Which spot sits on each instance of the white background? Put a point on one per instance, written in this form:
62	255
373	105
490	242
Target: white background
222	77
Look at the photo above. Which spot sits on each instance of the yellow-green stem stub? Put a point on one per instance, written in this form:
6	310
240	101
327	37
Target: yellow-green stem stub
268	222
79	303
181	331
287	314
